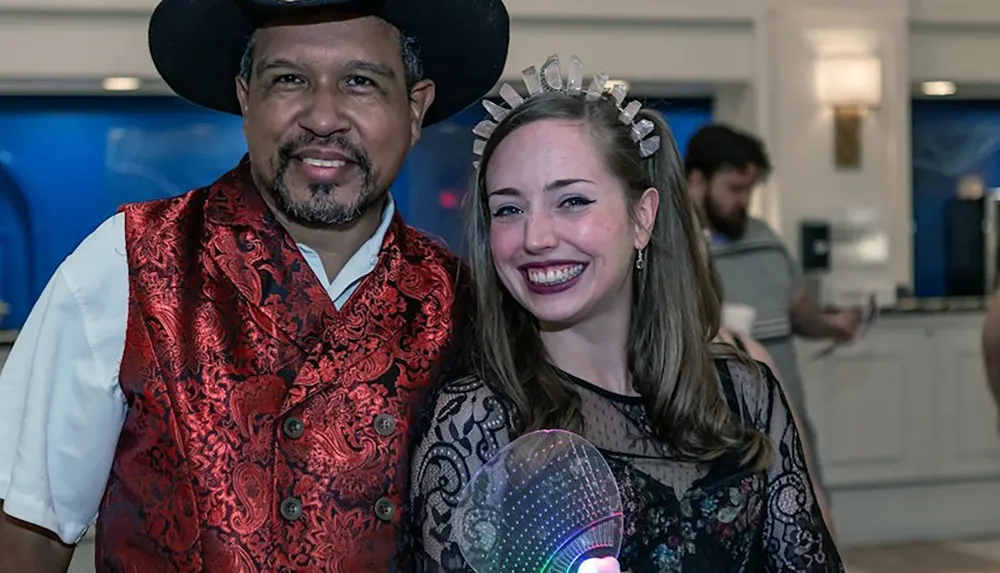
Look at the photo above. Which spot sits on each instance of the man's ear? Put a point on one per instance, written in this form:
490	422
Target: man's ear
421	98
243	95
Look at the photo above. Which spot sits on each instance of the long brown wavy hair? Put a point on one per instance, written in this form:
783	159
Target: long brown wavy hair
675	311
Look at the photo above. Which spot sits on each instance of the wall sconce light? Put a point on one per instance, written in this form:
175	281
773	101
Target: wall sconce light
851	86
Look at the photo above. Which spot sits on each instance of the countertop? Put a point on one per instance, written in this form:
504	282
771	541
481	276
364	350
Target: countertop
932	306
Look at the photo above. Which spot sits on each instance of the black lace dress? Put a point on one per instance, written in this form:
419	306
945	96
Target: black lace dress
679	515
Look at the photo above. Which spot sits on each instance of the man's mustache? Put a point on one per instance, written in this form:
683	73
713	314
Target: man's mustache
289	149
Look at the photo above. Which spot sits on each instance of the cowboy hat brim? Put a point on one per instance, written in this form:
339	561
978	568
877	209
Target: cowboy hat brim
197	45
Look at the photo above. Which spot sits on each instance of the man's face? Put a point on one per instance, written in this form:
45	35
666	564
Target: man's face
725	199
327	115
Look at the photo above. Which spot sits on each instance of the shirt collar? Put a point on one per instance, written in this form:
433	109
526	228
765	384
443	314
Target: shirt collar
362	262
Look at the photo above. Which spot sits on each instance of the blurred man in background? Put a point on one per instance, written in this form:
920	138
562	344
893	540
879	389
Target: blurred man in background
755	269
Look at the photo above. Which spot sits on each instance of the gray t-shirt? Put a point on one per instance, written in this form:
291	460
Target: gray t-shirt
757	270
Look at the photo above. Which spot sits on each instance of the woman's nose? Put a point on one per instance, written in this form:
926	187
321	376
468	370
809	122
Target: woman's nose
539	233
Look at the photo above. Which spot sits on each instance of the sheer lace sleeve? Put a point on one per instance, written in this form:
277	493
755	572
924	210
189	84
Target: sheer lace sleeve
796	539
469	425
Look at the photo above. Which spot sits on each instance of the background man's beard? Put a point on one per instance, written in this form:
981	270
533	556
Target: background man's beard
322	208
732	227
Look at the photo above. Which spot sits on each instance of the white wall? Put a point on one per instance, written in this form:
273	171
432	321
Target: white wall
681	40
809	185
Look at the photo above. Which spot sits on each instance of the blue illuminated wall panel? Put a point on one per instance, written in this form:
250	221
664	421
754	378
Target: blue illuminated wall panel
66	164
951	139
72	161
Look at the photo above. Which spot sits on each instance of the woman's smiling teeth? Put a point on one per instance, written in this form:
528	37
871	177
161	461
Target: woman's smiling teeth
554	275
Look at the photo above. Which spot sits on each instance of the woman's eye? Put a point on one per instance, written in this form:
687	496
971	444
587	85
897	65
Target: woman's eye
576	202
506	211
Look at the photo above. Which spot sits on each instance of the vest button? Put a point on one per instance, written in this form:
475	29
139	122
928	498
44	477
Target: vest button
293	427
385	509
384	424
291	509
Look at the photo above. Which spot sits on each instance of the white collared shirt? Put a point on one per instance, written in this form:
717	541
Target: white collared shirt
61	408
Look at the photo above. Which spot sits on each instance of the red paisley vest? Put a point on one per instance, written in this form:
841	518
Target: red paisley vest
266	430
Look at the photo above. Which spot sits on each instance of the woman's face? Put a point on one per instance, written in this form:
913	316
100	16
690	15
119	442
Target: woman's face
561	236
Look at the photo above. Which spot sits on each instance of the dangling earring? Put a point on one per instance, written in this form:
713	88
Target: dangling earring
640	259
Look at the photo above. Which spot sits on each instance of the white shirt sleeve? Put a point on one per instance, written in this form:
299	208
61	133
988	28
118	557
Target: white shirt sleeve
61	409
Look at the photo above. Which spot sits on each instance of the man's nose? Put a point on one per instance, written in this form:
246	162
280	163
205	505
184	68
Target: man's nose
325	115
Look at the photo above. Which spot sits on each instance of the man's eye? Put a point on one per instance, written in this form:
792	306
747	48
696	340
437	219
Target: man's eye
360	82
287	79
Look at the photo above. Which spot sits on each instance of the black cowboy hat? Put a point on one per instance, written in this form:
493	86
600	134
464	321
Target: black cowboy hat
197	45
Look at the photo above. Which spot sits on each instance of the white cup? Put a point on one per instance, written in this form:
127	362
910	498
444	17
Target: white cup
738	318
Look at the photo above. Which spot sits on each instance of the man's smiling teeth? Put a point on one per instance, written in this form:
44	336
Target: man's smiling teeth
554	275
326	163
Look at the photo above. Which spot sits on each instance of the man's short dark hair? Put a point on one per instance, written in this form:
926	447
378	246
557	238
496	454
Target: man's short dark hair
718	147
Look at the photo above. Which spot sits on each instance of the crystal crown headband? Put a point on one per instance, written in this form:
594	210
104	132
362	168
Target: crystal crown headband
549	79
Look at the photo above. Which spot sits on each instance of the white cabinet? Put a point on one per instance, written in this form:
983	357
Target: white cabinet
907	431
870	406
966	413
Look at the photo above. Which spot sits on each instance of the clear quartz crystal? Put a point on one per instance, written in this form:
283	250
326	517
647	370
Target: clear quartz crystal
497	112
552	74
532	81
478	147
574	82
484	128
628	114
649	146
618	92
641	129
510	95
596	87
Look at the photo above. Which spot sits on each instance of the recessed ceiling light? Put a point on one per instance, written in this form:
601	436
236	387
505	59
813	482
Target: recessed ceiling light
939	89
124	84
